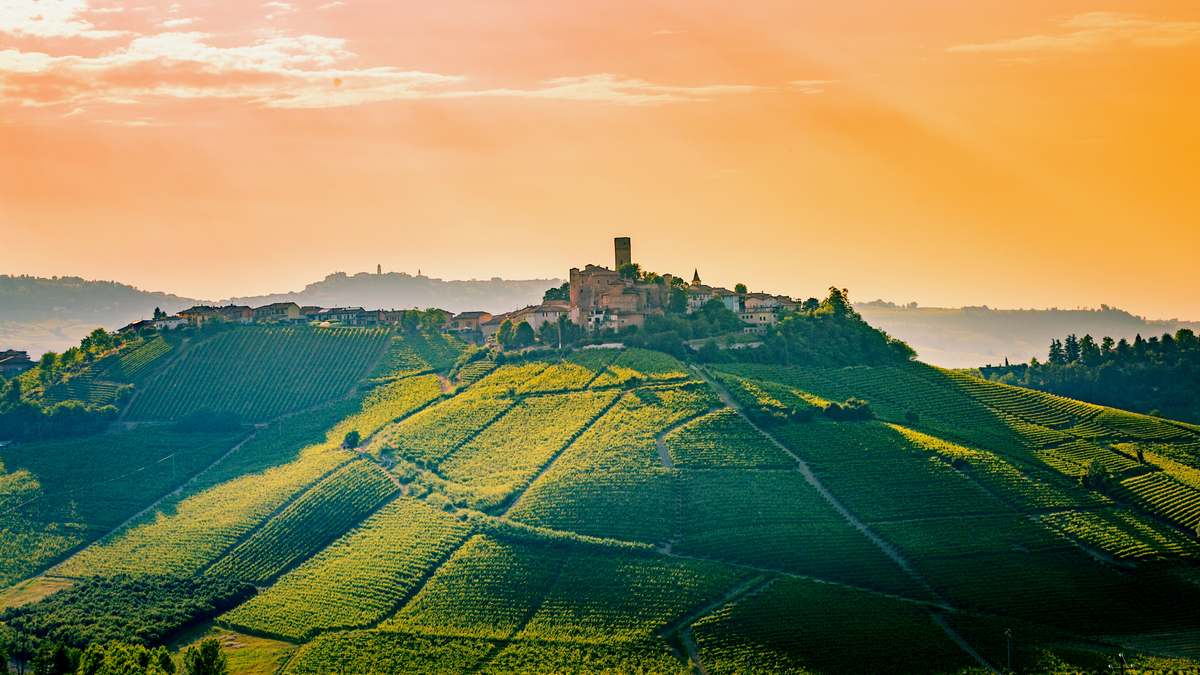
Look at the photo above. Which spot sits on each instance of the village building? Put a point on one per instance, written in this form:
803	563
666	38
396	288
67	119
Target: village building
349	316
169	322
198	314
468	322
137	326
699	295
278	311
237	313
602	299
14	362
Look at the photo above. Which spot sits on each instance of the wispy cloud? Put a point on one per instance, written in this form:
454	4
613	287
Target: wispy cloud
278	69
812	86
609	88
331	5
1098	31
49	19
279	9
668	32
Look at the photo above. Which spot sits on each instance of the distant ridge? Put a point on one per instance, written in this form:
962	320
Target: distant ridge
970	337
39	314
397	290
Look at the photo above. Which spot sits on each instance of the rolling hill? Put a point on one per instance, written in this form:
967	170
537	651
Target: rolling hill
618	511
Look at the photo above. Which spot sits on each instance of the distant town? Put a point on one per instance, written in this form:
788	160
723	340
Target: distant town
598	299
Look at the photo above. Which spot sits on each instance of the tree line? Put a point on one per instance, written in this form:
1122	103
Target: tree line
1159	375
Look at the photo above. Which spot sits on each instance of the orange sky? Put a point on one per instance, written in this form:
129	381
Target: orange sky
1027	154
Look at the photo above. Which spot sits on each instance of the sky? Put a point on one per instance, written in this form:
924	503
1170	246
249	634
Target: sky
1018	154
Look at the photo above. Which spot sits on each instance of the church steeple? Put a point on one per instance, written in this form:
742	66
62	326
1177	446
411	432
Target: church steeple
696	278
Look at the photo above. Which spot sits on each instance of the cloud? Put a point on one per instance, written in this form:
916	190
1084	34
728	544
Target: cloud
49	19
277	71
280	9
1098	31
609	88
812	86
331	5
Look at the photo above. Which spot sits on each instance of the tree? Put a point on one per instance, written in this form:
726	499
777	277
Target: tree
46	366
523	335
159	314
1071	349
56	659
352	439
630	271
739	288
1057	355
1089	352
207	660
838	302
433	319
678	302
562	293
505	335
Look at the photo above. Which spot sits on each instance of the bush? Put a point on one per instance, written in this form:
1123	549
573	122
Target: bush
352	439
853	410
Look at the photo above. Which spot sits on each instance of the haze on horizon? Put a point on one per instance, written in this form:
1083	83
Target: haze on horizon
1017	155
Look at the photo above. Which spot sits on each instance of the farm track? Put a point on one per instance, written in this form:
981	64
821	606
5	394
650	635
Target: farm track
940	620
888	550
684	626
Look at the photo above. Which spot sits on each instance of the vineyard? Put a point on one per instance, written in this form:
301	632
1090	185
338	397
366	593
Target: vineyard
358	579
605	512
261	372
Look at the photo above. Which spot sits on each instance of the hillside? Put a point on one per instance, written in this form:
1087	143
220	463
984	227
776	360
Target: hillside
38	314
970	337
618	511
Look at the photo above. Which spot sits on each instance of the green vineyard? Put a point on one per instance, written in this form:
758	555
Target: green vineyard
619	512
260	373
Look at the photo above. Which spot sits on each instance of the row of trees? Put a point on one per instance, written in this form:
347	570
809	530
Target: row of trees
1158	376
114	658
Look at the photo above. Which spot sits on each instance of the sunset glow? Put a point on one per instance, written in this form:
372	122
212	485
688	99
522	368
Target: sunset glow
1016	155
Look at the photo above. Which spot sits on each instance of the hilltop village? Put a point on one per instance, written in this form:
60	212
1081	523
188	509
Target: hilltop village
598	299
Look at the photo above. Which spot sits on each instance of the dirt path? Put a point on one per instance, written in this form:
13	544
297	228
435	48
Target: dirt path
940	620
888	550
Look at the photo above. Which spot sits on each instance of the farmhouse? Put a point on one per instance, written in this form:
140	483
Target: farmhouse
278	311
468	322
13	362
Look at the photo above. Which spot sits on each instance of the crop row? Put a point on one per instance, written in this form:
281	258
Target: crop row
1142	427
1036	407
556	378
1022	487
640	658
629	504
475	371
508	454
261	372
487	589
800	626
181	537
1124	534
1063	588
387	403
906	488
954	537
326	511
416	353
133	365
641	365
775	519
1163	497
26	547
724	439
357	580
434	433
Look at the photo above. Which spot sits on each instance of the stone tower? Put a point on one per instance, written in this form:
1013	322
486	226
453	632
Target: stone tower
624	256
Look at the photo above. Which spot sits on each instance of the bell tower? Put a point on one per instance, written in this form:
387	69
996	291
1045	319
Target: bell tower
624	255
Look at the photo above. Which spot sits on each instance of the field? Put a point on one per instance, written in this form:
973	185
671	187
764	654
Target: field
605	513
261	372
358	579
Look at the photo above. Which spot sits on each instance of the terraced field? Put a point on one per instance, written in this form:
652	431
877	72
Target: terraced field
608	513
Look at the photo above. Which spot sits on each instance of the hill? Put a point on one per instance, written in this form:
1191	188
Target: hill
402	291
620	511
39	315
970	337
